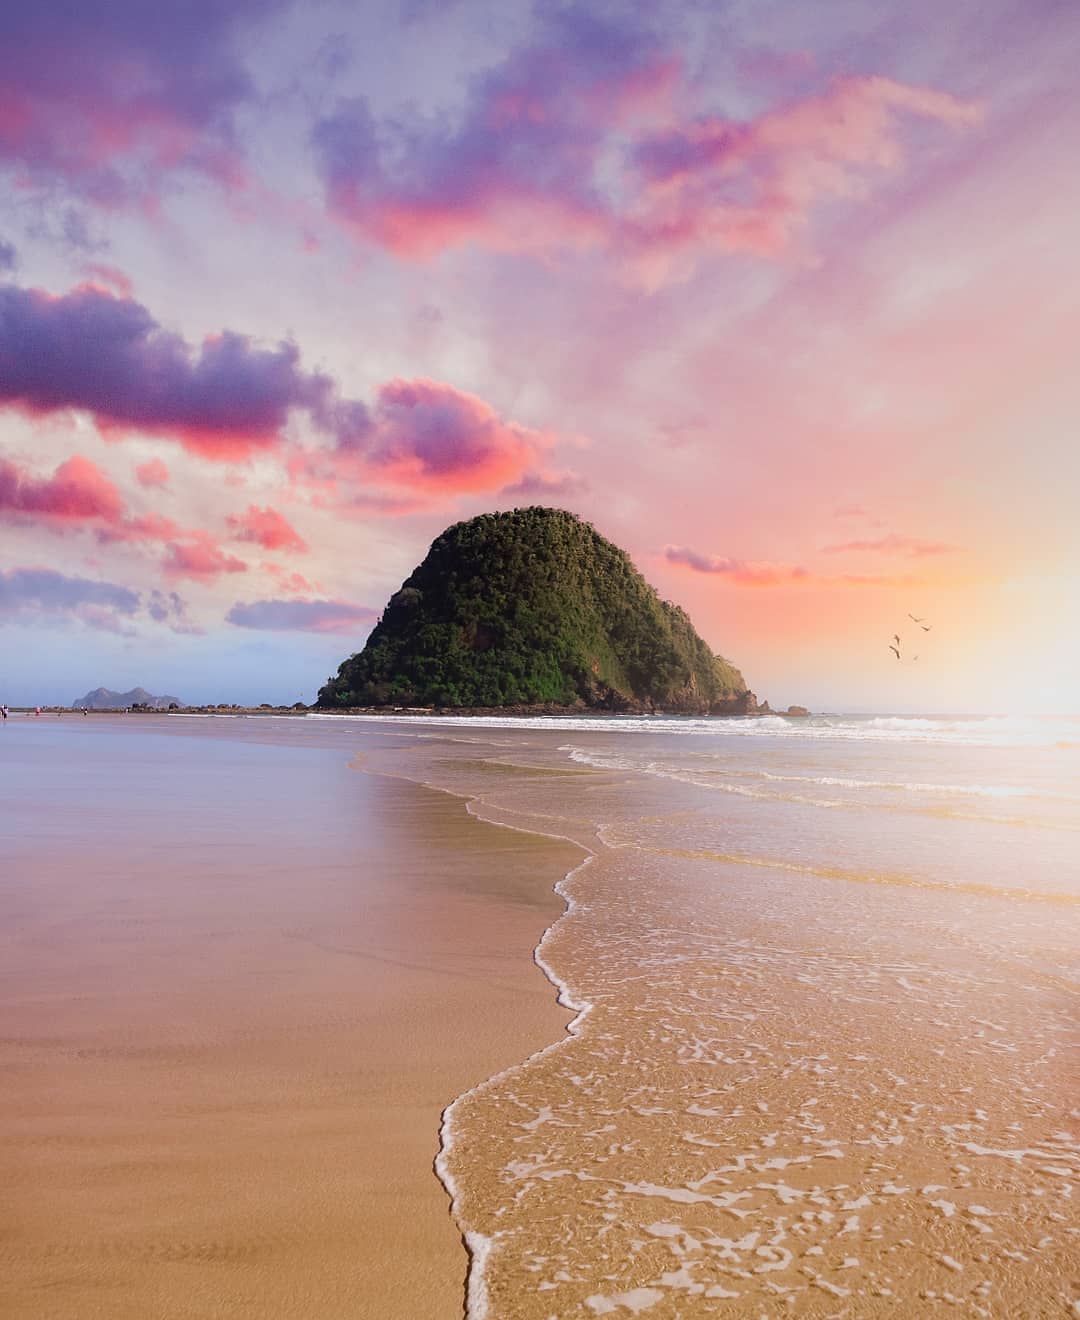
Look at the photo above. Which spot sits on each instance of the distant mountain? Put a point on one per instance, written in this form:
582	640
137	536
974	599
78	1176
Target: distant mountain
105	699
532	607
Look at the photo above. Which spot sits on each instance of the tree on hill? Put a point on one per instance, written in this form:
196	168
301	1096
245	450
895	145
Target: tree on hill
528	607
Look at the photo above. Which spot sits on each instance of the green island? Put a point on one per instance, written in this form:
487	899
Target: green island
534	609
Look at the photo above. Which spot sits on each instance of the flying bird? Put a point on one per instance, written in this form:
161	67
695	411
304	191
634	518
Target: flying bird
896	638
914	619
895	651
926	626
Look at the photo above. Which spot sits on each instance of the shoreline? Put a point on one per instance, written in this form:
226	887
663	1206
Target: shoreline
424	712
737	1049
476	1245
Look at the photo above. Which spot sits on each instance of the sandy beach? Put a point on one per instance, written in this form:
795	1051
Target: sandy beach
239	980
823	1062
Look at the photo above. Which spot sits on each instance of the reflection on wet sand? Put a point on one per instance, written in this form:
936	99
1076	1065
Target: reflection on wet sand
238	984
790	1090
820	1063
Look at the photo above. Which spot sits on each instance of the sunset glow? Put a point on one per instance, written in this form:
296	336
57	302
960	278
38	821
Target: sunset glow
786	302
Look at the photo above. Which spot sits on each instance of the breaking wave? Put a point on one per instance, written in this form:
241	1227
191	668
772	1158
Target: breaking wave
960	731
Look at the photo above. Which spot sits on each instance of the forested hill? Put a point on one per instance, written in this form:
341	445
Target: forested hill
532	607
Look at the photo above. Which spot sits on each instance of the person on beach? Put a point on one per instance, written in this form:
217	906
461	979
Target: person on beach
4	710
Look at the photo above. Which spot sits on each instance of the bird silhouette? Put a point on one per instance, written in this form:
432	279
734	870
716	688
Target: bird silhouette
926	626
914	619
896	638
895	651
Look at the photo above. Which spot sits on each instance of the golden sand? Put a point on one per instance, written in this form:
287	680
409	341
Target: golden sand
227	1107
797	1089
826	1067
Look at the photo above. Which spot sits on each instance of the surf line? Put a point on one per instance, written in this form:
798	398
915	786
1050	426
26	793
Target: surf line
478	1246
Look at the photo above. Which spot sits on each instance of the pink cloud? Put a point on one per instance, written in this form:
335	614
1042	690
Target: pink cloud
740	571
750	186
109	276
546	485
423	437
199	558
289	581
80	495
750	573
340	482
268	528
892	545
145	527
152	473
77	492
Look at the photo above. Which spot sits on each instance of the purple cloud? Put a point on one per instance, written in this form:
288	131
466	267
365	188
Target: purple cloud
546	485
743	572
27	593
320	616
171	609
591	133
102	353
750	573
104	96
429	434
92	350
523	155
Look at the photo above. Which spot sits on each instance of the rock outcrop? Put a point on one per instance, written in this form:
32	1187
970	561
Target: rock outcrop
533	608
105	699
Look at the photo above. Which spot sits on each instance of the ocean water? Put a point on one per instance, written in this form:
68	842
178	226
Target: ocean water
823	1061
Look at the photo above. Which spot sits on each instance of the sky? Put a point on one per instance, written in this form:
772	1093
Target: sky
783	298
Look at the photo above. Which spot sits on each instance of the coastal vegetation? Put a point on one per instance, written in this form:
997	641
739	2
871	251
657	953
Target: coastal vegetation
533	607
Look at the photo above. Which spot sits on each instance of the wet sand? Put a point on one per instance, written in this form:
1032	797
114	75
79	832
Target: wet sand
238	984
826	1059
824	1067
